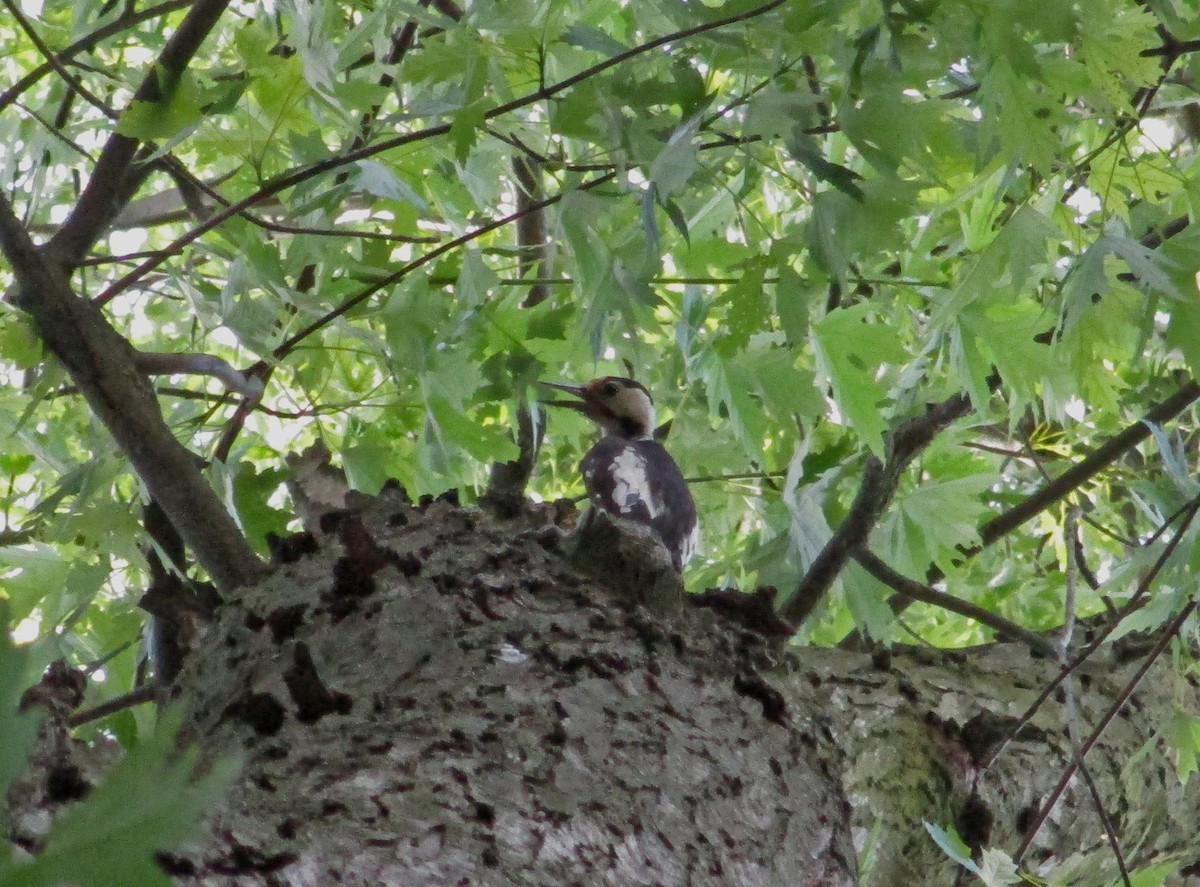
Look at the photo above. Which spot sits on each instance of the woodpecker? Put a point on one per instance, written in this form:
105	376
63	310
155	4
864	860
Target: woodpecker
628	473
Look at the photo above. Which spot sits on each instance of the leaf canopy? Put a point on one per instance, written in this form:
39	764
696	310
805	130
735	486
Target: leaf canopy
800	224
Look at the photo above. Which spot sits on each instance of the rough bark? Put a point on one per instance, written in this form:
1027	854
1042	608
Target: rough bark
437	697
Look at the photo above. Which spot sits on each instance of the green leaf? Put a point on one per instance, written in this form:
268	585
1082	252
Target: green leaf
1184	736
850	349
586	36
377	179
475	281
469	119
676	216
747	308
791	304
485	443
29	572
732	389
952	845
19	342
179	110
1112	37
1149	266
1020	114
867	599
150	802
17	731
670	171
365	460
804	150
928	523
997	869
1183	330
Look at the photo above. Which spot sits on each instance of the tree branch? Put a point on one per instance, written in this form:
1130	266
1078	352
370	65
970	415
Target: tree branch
103	365
288	180
192	363
916	591
1077	475
875	494
116	177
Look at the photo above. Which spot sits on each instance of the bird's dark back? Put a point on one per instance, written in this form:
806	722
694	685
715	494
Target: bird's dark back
638	480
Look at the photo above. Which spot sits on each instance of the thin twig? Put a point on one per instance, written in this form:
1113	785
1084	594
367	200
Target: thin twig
1168	633
288	180
138	696
1070	705
1133	604
917	591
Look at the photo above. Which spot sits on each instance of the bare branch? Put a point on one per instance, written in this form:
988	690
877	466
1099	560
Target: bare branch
1079	474
531	229
138	696
505	492
1134	602
1168	633
192	363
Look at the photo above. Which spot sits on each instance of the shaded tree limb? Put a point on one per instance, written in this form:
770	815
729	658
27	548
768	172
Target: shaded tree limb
505	492
531	230
126	20
103	365
117	176
237	421
875	493
916	591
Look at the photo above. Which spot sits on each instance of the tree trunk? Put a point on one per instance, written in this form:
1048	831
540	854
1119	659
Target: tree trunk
441	698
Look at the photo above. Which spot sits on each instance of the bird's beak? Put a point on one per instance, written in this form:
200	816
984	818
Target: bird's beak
577	390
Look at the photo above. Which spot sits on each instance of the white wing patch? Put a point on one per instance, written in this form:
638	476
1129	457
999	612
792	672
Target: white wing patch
631	484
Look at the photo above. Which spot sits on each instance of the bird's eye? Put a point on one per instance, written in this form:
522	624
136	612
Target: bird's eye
610	389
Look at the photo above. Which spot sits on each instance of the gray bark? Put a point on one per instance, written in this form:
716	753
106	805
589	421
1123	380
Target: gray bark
439	698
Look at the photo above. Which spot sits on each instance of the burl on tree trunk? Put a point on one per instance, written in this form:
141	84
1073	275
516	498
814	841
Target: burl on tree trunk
439	697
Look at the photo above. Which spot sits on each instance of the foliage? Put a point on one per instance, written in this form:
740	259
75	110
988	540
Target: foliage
800	223
147	804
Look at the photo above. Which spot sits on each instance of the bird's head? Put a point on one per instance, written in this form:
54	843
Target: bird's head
620	406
